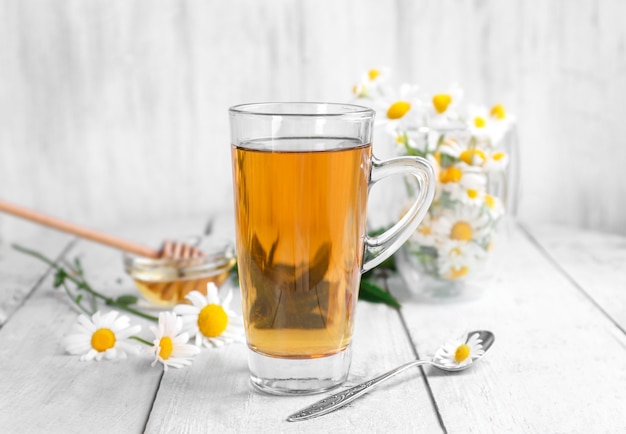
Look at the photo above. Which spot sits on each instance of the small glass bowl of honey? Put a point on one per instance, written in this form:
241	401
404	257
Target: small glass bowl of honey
166	282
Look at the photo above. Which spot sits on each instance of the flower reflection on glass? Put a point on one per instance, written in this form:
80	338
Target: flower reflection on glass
170	345
457	352
101	336
209	319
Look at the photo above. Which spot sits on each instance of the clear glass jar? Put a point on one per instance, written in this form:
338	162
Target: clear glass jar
166	282
451	254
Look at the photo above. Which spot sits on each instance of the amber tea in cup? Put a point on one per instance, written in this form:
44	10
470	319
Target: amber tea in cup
301	175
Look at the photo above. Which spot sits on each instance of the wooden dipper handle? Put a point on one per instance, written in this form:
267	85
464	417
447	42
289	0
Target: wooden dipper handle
80	231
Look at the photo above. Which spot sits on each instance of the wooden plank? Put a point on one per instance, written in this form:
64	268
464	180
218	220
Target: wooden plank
49	390
558	364
19	274
594	261
214	395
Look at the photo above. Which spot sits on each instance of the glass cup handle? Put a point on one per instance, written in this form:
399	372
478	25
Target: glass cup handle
379	248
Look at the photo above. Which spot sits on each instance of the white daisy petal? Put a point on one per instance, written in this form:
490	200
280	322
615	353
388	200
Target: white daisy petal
195	319
170	347
86	323
196	298
101	336
212	296
186	309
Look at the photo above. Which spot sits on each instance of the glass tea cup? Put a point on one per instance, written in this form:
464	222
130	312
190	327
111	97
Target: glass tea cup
301	176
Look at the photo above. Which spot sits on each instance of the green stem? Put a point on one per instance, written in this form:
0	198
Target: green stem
82	284
80	306
111	302
143	341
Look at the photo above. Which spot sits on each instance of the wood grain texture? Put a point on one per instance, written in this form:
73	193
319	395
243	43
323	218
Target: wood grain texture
215	394
46	390
208	396
558	363
115	111
594	262
20	275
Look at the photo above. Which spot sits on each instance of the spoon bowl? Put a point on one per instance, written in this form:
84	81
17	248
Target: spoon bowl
338	400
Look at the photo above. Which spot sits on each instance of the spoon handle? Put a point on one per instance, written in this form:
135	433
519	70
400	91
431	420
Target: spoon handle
338	400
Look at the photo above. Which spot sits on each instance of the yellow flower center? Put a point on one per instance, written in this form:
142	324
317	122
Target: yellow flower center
490	201
166	346
468	155
398	109
498	156
455	252
373	74
461	353
461	231
212	320
102	340
471	193
425	230
441	101
451	174
498	111
480	122
456	273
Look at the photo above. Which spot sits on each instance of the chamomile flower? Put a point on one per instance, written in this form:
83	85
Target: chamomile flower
450	147
473	156
463	183
398	111
494	206
461	351
496	161
462	224
458	259
472	195
375	77
502	123
170	345
209	319
443	108
424	234
480	123
101	336
498	112
370	83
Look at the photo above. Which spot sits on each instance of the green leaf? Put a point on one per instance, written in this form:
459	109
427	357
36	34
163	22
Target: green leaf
59	277
234	271
448	160
126	300
373	293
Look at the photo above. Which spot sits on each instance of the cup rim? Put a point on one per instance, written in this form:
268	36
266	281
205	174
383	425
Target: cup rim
302	109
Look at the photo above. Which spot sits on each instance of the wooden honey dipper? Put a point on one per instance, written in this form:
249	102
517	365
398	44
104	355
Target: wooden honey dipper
169	250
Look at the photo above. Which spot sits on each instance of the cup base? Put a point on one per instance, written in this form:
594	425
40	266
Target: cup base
278	376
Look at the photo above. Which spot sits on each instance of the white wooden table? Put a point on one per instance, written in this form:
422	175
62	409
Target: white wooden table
557	308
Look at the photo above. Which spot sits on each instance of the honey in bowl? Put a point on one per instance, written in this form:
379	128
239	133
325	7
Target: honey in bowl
166	282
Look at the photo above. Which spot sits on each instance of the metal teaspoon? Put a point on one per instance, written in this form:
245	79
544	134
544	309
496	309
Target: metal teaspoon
338	400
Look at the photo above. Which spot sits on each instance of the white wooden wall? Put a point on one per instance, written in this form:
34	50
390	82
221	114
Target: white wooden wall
116	110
